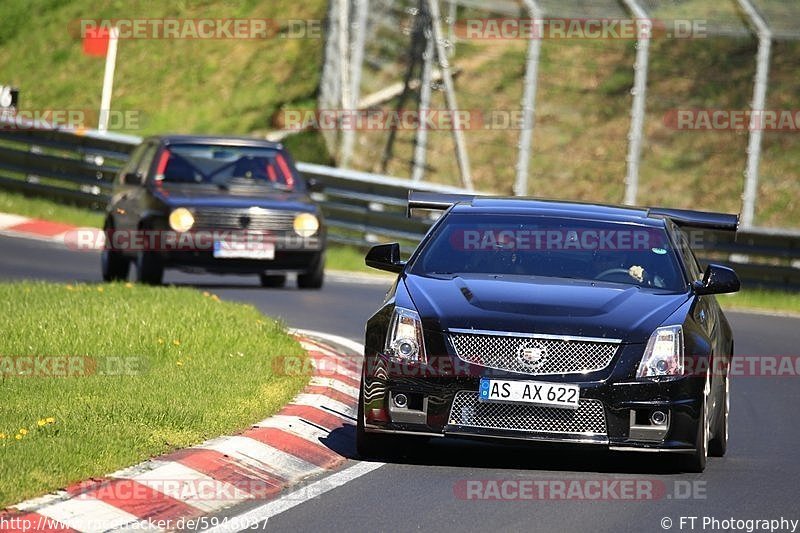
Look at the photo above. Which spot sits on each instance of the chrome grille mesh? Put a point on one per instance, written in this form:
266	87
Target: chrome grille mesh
588	420
241	219
542	355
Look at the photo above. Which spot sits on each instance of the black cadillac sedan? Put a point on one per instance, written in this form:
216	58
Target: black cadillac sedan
213	204
550	321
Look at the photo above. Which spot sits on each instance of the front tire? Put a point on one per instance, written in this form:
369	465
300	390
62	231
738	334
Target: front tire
367	446
696	462
315	278
718	445
149	268
114	265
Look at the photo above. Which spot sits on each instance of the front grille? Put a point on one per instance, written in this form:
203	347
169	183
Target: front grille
533	355
588	419
244	219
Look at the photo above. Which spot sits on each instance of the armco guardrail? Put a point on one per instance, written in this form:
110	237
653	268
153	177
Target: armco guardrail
360	208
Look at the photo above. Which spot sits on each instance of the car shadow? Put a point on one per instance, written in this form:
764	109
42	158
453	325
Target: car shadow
510	455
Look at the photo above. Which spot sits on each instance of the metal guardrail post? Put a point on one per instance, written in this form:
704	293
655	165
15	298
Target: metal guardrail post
639	91
421	138
529	98
757	107
450	96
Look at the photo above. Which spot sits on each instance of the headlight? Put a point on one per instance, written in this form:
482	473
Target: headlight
181	219
404	340
306	224
664	353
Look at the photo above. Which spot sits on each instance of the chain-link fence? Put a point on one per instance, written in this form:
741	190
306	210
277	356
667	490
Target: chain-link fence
580	66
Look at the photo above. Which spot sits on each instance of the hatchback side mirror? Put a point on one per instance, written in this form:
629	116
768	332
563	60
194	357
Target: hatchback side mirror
315	185
385	257
131	178
717	280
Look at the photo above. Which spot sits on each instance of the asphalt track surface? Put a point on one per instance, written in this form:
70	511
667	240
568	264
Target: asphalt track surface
757	480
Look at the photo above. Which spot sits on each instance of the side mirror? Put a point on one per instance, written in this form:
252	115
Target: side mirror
314	185
385	257
131	178
717	280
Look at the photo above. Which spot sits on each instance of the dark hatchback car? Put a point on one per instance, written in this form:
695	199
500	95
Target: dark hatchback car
213	204
551	321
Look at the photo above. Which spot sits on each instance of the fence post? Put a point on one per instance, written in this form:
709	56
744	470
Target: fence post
330	86
359	31
421	139
639	92
756	112
529	98
450	95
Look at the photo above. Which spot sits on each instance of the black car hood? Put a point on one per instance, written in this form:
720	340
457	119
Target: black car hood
541	305
202	195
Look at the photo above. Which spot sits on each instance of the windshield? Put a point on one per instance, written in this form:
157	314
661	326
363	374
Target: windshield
551	247
225	166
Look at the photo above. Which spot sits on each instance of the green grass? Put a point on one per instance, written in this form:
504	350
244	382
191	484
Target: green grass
340	257
200	368
757	299
45	209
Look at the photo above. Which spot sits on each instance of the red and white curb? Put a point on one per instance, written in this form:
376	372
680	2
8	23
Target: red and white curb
42	230
256	465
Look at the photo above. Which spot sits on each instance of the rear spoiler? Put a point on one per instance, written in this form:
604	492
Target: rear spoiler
681	217
435	200
698	219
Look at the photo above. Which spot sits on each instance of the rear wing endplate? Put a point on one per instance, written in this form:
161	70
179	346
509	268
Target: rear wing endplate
698	219
434	200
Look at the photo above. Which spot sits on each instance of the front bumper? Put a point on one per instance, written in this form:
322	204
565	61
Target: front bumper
300	262
614	411
292	254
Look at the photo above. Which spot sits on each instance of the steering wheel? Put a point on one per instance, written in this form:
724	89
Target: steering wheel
613	271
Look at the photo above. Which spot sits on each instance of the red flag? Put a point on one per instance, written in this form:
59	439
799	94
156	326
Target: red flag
95	41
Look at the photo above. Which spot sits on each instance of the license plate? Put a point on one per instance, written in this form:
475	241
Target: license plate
563	395
244	250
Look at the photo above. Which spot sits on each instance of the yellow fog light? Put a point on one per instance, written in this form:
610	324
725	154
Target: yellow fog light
181	219
306	224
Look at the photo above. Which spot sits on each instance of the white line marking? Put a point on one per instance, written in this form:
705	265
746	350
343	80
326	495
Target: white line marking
359	278
356	347
295	498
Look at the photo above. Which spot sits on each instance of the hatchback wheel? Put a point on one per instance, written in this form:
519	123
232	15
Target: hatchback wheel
149	268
